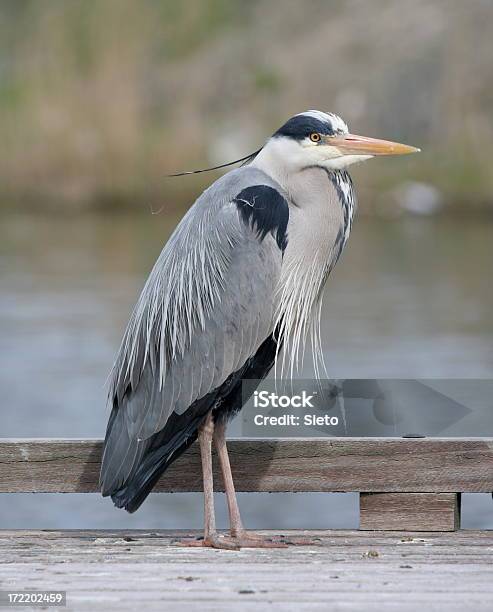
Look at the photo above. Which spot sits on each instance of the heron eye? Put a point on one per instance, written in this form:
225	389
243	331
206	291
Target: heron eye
315	137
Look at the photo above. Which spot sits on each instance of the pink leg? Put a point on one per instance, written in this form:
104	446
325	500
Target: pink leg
211	536
239	536
238	532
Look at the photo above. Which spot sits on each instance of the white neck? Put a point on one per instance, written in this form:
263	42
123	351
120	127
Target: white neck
316	235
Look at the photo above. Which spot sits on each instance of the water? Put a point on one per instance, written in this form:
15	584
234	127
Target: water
410	298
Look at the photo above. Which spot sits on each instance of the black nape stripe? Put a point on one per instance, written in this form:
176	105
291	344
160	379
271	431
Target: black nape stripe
266	211
300	127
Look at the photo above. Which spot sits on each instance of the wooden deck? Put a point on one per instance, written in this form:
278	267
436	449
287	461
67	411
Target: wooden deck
411	484
345	570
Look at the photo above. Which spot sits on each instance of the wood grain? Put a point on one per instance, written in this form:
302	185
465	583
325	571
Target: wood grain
328	464
342	570
410	511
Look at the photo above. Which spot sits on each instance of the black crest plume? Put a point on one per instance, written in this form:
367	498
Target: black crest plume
246	160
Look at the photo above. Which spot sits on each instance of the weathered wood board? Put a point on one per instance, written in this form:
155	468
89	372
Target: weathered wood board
410	511
341	571
328	464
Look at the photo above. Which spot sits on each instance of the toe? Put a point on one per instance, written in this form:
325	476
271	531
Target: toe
249	539
221	542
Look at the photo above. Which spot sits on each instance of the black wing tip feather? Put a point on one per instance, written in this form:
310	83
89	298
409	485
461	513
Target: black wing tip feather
131	496
160	451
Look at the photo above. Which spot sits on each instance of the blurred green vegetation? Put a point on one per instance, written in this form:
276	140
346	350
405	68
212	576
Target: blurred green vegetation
99	100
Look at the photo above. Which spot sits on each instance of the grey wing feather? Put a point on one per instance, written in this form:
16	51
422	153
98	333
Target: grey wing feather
206	308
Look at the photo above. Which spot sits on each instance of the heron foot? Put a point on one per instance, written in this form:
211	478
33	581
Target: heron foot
217	541
247	539
214	540
250	539
280	541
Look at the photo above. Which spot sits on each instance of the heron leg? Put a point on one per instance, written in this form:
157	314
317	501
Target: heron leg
239	534
211	536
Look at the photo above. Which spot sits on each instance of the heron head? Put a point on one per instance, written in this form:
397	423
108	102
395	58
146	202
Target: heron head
314	138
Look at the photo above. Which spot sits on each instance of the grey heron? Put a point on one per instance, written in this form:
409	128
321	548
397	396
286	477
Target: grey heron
240	278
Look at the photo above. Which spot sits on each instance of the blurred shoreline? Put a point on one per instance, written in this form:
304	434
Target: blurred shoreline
99	101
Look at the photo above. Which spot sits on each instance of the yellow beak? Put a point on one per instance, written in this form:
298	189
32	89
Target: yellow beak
350	144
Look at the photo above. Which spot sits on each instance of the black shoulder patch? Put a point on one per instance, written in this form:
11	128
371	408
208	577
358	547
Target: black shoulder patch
266	211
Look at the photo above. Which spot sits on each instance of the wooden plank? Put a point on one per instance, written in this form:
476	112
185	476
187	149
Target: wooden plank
410	511
314	464
342	570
